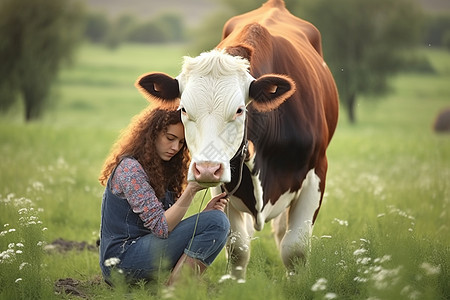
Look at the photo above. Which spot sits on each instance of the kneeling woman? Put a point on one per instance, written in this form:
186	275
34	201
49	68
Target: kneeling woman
142	225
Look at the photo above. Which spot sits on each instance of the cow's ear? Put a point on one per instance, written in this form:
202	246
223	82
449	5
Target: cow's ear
159	88
269	91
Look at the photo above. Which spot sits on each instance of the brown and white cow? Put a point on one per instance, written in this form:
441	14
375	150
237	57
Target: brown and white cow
266	83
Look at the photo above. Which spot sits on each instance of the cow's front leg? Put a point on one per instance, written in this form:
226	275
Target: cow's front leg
238	245
296	241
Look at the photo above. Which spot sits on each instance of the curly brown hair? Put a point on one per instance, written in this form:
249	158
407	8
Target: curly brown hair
138	141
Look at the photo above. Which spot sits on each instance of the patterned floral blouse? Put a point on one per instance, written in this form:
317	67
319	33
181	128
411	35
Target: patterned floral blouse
130	182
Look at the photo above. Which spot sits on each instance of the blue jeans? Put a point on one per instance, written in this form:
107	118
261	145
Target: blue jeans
148	254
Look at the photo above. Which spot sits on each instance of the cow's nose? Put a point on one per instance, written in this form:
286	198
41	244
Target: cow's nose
207	172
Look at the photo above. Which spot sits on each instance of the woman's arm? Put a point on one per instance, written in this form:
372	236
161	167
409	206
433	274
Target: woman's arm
176	212
130	182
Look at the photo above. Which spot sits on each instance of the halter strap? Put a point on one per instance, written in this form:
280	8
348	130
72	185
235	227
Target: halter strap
241	154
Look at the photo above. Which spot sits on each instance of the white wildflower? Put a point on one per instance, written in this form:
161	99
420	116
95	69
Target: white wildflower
23	210
383	259
226	277
363	260
319	285
38	186
360	279
430	269
340	222
386	277
61	163
342	264
110	262
410	293
360	251
330	296
7	255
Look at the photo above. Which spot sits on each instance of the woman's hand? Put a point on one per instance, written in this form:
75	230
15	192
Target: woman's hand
194	186
176	212
218	202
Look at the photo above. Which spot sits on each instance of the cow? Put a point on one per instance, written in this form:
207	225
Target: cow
259	111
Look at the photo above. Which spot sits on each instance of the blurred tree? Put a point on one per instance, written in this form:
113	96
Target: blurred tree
209	33
436	27
167	27
173	22
119	30
148	32
364	41
446	40
35	38
97	27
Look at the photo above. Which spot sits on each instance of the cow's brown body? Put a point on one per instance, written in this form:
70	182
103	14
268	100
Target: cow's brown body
277	42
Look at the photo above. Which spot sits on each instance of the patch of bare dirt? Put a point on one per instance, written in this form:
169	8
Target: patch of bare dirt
62	245
74	287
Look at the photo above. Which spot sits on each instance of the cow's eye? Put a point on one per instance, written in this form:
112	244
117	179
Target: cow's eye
238	113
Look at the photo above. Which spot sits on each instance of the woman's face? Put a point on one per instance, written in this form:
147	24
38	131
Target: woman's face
170	142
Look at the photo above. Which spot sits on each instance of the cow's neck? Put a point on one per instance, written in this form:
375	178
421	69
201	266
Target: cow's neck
238	163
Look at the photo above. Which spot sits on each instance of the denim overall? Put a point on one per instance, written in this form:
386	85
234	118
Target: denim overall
139	254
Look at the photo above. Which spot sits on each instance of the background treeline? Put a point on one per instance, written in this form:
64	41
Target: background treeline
171	27
437	30
164	28
364	42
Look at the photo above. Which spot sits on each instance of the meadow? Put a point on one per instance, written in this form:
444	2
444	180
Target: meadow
382	232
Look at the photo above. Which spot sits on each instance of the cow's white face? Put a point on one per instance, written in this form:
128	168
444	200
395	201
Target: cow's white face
214	92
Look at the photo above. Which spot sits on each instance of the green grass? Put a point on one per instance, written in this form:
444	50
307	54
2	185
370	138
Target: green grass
382	231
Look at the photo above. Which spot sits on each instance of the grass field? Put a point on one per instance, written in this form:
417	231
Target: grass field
382	232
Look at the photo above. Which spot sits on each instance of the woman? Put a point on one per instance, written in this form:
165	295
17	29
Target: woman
143	206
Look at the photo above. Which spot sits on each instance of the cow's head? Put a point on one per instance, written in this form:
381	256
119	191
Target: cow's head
212	93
